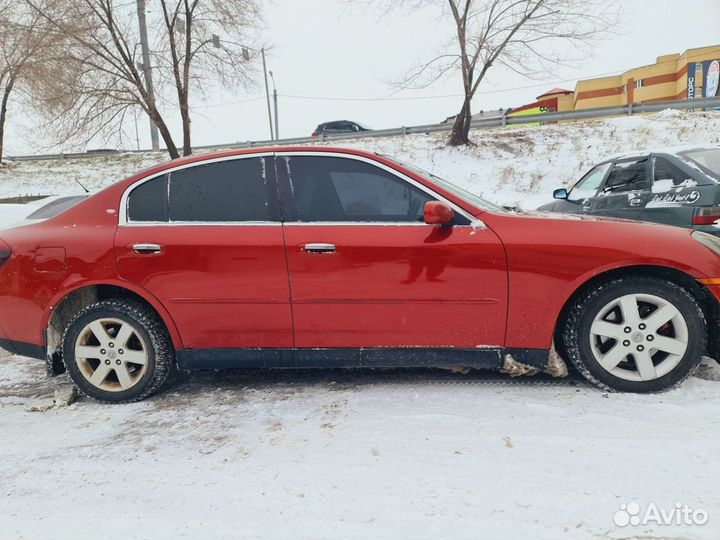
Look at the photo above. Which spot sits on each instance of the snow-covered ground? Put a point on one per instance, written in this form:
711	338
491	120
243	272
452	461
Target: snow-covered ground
359	454
512	166
346	454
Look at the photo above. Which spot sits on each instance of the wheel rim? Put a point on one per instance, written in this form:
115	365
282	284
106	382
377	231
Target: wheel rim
639	337
111	355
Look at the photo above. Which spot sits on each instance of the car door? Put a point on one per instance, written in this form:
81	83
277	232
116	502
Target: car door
625	191
579	199
366	271
207	242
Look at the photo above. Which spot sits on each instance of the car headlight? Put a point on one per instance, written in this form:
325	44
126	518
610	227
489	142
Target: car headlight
708	240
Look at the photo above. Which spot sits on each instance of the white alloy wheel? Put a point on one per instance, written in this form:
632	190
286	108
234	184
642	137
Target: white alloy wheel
111	354
639	337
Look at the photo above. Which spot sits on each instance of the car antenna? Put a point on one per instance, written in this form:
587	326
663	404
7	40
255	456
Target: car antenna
80	184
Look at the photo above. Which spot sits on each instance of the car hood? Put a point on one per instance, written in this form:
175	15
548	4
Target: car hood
558	216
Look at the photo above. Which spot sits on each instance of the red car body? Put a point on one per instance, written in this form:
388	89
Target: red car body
253	296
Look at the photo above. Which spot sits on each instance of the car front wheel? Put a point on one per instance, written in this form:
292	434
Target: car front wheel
118	351
638	334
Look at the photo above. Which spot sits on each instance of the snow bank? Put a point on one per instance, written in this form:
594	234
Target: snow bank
513	166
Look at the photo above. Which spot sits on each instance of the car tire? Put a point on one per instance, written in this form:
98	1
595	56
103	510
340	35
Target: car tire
118	351
618	338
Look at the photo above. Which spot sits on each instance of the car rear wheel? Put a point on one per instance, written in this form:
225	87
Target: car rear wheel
638	334
118	351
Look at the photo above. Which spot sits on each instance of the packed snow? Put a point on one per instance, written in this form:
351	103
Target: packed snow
412	454
354	454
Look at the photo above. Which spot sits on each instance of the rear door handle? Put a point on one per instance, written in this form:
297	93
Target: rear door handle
319	248
147	249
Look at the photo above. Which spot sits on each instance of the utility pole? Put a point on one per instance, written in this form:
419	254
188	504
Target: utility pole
267	93
275	102
137	133
147	69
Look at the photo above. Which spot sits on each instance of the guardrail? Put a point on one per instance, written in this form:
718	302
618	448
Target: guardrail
492	122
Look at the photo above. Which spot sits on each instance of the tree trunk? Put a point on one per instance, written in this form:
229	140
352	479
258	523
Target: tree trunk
461	126
165	134
3	111
185	114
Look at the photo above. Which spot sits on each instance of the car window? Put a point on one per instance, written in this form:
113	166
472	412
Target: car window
149	201
338	189
225	191
56	207
222	191
627	176
589	184
708	160
667	174
450	187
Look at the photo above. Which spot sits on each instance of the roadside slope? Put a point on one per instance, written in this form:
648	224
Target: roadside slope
509	166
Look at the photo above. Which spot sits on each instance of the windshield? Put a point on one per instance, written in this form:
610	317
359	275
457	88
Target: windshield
707	160
451	188
56	207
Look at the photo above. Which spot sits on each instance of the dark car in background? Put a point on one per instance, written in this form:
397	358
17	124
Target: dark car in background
678	187
339	126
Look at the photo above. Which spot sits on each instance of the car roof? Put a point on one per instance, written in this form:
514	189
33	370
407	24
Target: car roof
669	150
199	158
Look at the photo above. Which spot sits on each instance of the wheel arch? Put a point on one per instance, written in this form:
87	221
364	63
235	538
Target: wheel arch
705	299
66	304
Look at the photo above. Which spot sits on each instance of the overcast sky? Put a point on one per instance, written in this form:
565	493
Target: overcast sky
341	60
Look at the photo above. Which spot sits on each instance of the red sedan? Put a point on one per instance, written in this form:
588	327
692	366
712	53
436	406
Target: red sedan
319	257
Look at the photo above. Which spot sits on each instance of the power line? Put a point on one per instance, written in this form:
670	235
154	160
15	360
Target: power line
445	96
442	96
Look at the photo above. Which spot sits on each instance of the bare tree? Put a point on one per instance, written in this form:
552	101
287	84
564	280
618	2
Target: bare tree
24	46
103	79
196	50
522	35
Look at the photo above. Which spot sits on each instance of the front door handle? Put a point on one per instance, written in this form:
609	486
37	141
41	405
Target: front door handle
147	249
319	248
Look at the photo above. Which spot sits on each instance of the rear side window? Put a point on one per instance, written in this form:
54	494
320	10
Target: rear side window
149	201
225	191
222	191
628	176
668	173
337	189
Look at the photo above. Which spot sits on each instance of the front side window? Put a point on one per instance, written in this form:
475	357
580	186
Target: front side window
338	189
589	184
224	191
627	176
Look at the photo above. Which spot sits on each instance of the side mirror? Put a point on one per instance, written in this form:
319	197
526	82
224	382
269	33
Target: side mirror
438	213
561	193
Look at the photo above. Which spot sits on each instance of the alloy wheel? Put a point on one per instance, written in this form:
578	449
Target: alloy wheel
639	337
111	354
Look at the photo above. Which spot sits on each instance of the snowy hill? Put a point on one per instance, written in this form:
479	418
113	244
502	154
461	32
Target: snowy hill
510	166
